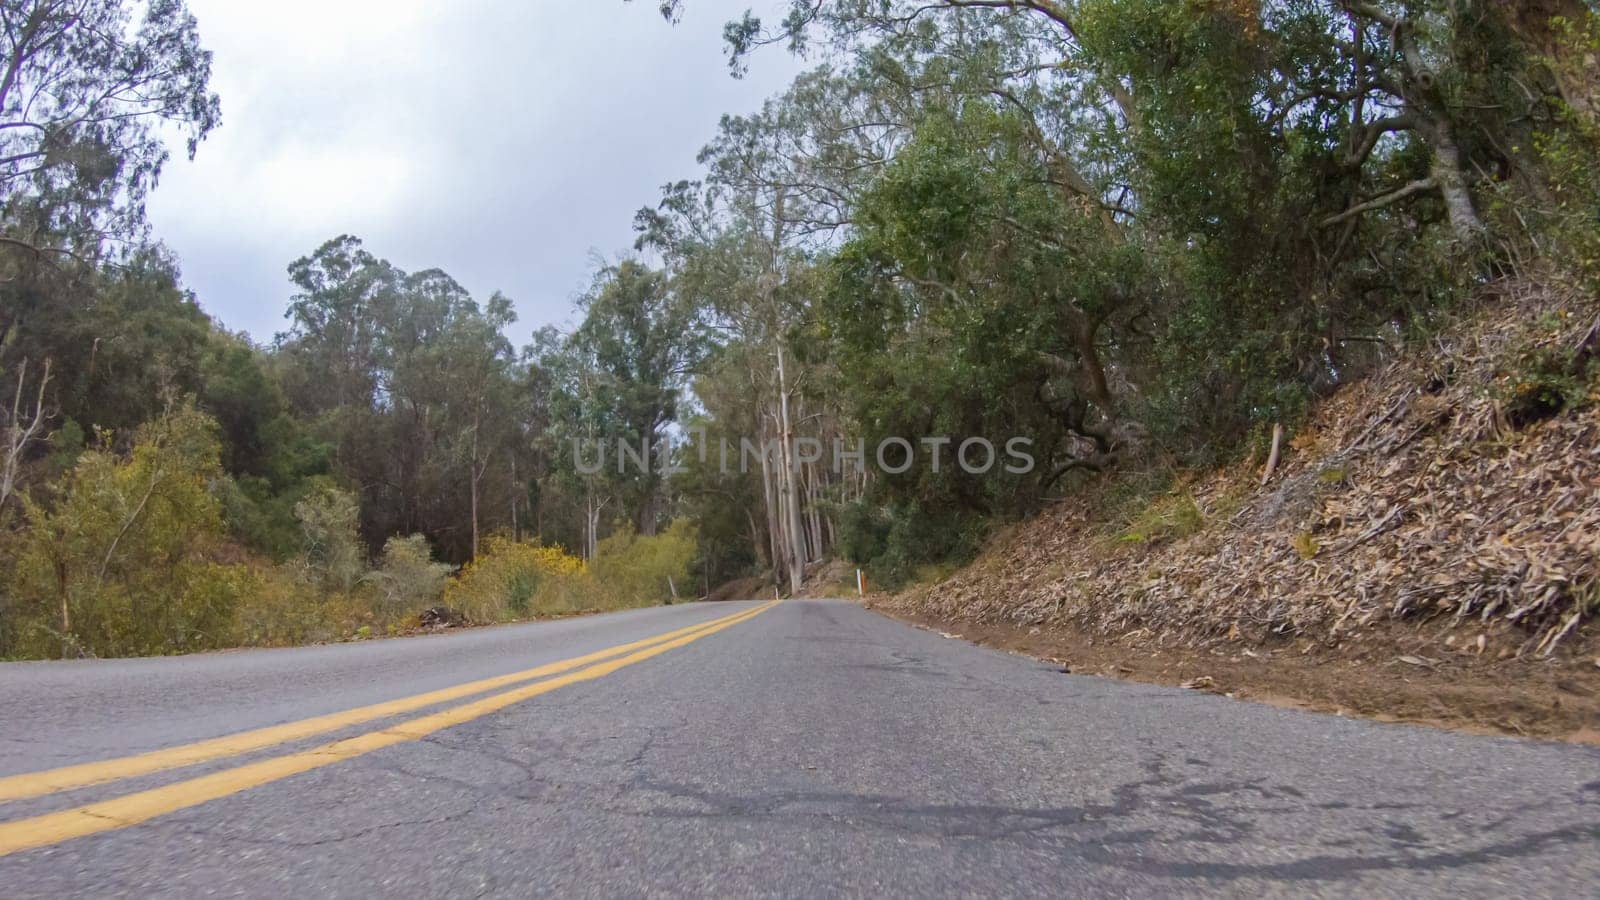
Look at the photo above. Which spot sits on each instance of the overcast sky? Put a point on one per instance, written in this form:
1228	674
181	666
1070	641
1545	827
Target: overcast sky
503	141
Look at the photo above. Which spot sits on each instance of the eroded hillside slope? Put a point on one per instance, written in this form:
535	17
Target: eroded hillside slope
1428	548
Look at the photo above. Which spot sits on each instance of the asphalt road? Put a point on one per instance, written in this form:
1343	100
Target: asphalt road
812	749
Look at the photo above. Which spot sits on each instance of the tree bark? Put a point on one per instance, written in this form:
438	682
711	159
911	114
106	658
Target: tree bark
1449	176
20	435
774	523
516	528
758	546
788	475
476	473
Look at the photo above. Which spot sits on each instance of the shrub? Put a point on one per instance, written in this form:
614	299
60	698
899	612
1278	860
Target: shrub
916	535
407	579
862	532
281	608
261	519
329	526
630	570
119	559
513	579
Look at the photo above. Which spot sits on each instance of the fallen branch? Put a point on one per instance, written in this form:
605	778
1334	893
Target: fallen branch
1272	458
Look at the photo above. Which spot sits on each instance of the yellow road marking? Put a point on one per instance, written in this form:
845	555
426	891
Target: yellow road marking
36	784
122	812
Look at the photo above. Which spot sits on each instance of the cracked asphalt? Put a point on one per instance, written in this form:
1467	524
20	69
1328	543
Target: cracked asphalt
816	749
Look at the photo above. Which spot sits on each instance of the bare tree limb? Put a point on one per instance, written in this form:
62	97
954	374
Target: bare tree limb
1395	196
20	435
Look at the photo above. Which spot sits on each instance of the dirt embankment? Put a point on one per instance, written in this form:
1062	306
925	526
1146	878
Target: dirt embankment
743	588
1428	549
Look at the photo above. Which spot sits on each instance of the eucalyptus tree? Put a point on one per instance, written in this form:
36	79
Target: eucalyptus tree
1226	134
475	362
1388	67
88	90
581	481
973	304
346	295
723	498
900	65
415	384
1030	55
736	257
643	340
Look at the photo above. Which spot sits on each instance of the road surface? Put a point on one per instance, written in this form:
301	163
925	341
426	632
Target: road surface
803	748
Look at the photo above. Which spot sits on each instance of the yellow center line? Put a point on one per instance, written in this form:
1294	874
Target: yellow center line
37	784
122	812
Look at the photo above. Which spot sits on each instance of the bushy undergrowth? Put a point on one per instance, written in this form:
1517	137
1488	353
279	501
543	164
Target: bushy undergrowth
120	558
512	580
897	544
633	570
130	555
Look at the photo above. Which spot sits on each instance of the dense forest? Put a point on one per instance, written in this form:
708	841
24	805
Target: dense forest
1141	234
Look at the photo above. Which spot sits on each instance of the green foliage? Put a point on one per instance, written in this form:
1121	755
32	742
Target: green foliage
333	554
513	579
617	380
1543	378
119	559
91	94
896	544
863	532
959	298
279	608
1167	517
292	603
638	570
414	384
724	505
262	519
261	438
407	579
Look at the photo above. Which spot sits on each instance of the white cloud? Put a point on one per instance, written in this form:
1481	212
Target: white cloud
500	140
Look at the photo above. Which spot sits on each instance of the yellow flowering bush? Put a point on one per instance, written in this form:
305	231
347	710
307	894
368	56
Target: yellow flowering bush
513	580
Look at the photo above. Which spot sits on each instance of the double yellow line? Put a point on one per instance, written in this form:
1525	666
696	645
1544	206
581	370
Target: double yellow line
132	809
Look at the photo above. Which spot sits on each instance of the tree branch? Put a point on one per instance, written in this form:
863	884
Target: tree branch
1415	187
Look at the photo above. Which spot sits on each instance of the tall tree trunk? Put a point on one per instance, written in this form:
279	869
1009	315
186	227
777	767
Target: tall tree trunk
774	522
1424	98
516	528
66	608
814	516
476	473
758	544
591	521
788	474
24	428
